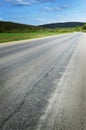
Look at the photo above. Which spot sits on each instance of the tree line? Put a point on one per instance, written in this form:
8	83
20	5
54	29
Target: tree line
10	27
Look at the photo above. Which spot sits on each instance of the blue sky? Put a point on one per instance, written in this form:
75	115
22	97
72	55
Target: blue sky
36	12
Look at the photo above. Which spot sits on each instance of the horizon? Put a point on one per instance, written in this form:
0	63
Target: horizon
45	23
40	12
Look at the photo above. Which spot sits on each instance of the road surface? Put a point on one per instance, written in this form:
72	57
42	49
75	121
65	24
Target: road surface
43	84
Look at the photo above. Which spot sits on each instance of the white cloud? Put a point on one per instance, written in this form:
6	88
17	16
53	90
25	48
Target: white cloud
19	2
65	6
27	2
42	1
56	8
47	8
39	20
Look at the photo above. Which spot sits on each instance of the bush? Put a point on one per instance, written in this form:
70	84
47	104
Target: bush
84	27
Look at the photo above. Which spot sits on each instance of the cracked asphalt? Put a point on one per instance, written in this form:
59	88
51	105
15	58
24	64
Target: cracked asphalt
43	85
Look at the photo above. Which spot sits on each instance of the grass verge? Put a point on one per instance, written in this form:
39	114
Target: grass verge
8	37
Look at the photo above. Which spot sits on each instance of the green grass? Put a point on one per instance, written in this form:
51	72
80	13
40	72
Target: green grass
8	37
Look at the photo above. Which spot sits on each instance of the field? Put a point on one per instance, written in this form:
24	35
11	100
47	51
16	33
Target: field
10	31
7	37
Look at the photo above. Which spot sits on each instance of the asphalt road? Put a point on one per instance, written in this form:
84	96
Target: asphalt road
43	84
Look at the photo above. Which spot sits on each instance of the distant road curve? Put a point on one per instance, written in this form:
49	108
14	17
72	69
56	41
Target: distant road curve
43	84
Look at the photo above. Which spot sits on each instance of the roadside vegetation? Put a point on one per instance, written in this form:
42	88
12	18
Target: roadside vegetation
84	28
13	31
8	37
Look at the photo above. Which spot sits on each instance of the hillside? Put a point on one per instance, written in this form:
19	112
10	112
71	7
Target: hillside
10	27
62	25
16	27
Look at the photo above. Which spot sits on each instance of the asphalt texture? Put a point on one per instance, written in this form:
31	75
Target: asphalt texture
43	84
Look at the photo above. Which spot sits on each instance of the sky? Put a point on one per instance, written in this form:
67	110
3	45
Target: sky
38	12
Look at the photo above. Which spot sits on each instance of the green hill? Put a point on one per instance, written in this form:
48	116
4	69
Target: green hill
16	27
62	25
11	27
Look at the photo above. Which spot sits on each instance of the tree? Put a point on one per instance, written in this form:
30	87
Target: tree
84	27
